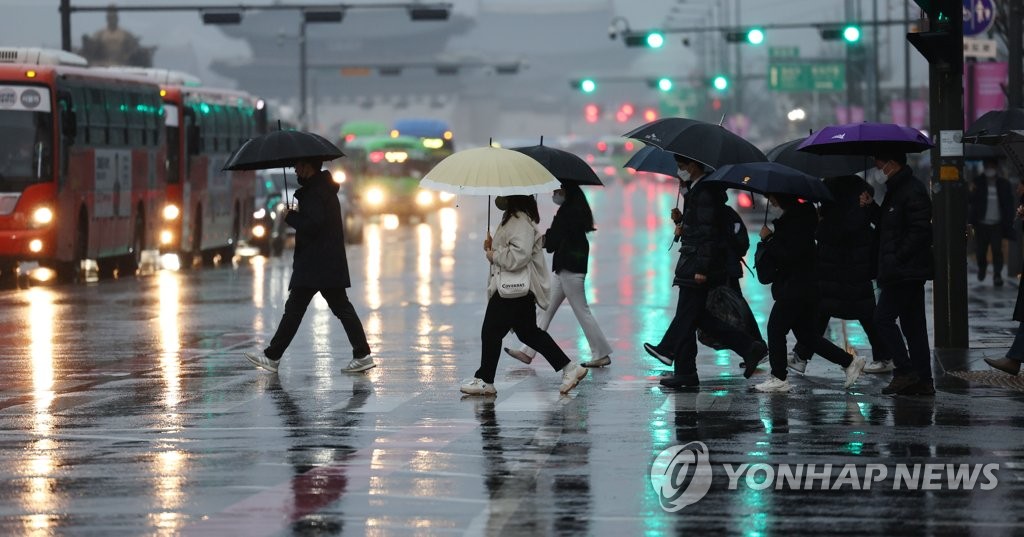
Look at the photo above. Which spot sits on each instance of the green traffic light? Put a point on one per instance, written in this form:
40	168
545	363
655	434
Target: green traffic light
665	84
588	86
851	34
655	40
720	83
755	36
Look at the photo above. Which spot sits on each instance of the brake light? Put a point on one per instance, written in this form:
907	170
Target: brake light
602	146
376	156
745	201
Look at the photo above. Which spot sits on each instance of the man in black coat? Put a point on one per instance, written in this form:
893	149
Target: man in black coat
991	216
319	266
905	263
701	267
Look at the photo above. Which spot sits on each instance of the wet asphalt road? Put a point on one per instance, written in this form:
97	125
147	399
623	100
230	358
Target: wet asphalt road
126	407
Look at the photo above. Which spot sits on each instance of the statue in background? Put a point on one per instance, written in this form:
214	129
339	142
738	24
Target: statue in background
115	46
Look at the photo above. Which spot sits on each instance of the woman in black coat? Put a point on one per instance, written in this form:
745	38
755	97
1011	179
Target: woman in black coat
1015	355
319	266
786	260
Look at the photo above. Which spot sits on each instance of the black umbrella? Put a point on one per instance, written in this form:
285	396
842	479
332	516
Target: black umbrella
655	160
280	149
770	178
997	122
817	165
565	166
711	145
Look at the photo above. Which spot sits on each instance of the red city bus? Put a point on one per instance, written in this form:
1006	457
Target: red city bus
82	170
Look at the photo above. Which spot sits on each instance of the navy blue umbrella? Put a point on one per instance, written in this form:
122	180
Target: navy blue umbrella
709	144
654	160
770	178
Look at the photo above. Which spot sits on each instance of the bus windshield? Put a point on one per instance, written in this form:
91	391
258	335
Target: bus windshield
25	149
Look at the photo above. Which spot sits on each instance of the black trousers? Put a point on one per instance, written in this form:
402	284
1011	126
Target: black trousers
798	316
905	301
295	308
520	316
989	236
865	315
680	339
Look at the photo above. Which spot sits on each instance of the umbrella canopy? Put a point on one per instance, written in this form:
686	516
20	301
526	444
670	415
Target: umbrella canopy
565	166
817	165
711	145
654	160
280	149
865	139
490	171
996	122
770	178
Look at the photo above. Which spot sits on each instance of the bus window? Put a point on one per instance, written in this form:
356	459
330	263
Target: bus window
173	145
135	119
116	118
25	149
97	115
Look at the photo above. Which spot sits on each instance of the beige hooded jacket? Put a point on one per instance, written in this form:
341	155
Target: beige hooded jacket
515	244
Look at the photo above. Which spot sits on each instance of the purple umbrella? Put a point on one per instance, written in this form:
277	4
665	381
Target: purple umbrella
866	139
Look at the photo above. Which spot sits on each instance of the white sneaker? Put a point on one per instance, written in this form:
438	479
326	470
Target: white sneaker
853	371
797	364
261	361
360	364
600	362
475	386
519	355
879	366
572	374
773	385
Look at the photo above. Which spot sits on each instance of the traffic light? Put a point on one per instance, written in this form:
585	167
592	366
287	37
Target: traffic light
591	113
663	83
848	32
942	43
654	39
586	85
753	36
650	115
720	83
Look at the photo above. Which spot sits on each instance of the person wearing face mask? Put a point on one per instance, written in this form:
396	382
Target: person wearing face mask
991	216
905	263
566	239
319	266
701	267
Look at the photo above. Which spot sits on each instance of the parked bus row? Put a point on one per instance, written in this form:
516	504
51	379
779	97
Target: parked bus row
101	164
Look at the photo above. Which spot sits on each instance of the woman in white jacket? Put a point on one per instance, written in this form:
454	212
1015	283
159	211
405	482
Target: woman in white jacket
517	244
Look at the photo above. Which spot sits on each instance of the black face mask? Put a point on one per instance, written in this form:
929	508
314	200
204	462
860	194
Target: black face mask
501	202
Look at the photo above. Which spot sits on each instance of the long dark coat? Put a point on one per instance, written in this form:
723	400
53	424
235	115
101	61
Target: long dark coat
704	246
905	231
567	240
847	248
979	203
320	261
786	258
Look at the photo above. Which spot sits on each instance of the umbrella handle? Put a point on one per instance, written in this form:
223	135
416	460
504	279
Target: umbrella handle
488	215
284	176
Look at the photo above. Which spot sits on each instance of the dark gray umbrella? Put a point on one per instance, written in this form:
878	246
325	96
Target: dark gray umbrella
565	166
281	149
711	145
654	160
817	165
770	178
997	122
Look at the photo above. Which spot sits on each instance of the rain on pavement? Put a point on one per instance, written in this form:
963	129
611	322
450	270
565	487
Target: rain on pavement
127	408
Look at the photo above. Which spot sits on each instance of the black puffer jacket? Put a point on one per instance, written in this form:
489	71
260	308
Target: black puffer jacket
567	240
979	203
905	231
320	261
786	259
847	245
702	241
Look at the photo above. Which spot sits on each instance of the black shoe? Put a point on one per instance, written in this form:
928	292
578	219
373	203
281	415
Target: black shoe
898	384
981	273
680	381
758	350
997	280
653	351
921	387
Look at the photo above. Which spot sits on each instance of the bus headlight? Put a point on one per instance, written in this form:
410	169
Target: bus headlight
42	216
446	196
424	198
35	246
171	211
259	231
375	196
260	213
166	237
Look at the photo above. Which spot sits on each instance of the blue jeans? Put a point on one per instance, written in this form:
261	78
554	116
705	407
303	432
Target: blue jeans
1016	351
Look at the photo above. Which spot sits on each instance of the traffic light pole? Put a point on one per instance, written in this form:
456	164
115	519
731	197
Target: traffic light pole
942	45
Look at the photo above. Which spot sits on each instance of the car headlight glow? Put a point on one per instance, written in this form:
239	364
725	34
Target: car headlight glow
424	198
171	211
259	213
340	176
375	196
259	231
42	215
446	196
166	237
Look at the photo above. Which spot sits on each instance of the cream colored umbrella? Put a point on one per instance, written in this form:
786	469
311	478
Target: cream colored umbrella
490	171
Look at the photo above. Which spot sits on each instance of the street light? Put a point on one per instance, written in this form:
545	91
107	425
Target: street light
797	114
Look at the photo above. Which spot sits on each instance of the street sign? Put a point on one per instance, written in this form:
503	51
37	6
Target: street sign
975	47
824	76
783	53
978	16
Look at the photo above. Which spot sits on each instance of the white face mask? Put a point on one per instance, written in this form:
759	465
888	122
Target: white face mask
558	198
684	175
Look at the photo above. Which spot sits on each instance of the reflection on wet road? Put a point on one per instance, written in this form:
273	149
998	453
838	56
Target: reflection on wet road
126	407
